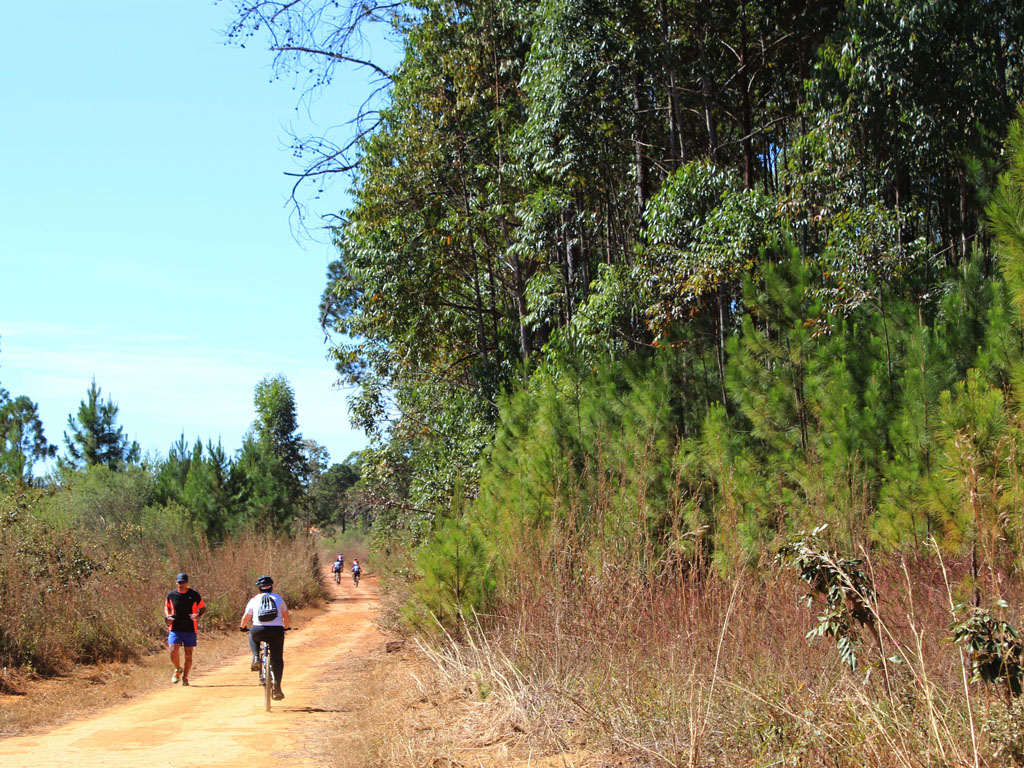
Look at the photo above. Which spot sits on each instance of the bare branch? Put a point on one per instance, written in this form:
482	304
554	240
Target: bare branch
332	55
309	38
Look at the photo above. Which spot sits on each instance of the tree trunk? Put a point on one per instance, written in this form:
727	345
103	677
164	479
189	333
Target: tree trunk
641	173
521	309
720	348
744	80
677	148
708	89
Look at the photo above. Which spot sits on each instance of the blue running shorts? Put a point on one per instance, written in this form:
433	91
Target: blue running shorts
187	639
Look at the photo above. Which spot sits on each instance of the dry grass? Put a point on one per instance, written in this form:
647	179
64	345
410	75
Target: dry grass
403	710
81	600
708	672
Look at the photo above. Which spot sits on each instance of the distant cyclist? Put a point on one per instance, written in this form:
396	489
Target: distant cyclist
356	571
336	568
341	559
269	617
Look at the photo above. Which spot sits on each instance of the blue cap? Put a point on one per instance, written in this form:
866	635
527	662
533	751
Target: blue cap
181	577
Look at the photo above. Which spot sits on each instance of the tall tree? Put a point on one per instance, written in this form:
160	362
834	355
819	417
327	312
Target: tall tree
95	436
21	437
329	494
267	478
22	442
277	423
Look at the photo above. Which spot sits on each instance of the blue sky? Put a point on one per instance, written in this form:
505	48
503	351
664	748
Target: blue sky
144	225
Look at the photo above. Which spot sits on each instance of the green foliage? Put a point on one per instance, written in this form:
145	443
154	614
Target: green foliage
587	458
266	481
206	491
1006	214
277	424
83	568
704	234
329	495
680	278
22	442
995	647
263	489
969	493
457	579
902	517
276	420
95	437
846	589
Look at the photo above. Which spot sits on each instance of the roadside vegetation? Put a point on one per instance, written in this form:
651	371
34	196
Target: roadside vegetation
89	550
689	338
86	593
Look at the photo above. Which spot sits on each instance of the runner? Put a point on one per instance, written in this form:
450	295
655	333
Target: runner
182	609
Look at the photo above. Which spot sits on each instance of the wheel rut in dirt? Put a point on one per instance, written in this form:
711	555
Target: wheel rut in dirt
219	720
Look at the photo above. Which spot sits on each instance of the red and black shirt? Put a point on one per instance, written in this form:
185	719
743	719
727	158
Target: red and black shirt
182	605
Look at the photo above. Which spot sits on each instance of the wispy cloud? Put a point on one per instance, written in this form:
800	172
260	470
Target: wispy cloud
165	384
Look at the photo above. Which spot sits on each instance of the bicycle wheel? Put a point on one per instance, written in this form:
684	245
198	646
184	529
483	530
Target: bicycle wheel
268	676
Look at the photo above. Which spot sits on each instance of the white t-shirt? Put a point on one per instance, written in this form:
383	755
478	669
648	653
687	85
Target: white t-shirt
253	607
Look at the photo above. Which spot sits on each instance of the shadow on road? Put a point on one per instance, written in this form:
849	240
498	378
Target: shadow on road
224	685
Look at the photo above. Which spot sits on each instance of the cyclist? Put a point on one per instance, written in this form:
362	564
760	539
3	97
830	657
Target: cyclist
341	559
356	571
337	570
269	617
182	609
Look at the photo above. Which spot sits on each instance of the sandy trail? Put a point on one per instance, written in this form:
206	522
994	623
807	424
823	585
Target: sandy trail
219	721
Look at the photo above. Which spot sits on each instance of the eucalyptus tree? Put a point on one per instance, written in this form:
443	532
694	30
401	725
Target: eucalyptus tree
427	286
266	477
888	73
547	184
330	493
22	442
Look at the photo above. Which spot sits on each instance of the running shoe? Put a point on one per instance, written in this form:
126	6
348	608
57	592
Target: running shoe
176	677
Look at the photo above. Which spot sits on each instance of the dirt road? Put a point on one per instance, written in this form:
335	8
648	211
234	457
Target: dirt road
219	721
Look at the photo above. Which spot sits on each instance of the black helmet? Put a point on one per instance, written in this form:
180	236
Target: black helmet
264	582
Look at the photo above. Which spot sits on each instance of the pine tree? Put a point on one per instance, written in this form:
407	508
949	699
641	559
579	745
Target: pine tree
902	516
969	495
172	472
1006	221
205	491
457	576
95	436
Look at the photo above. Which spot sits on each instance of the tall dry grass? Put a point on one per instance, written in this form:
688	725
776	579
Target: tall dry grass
689	670
81	597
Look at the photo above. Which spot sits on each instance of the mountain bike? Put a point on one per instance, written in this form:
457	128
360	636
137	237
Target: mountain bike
337	577
267	680
355	578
